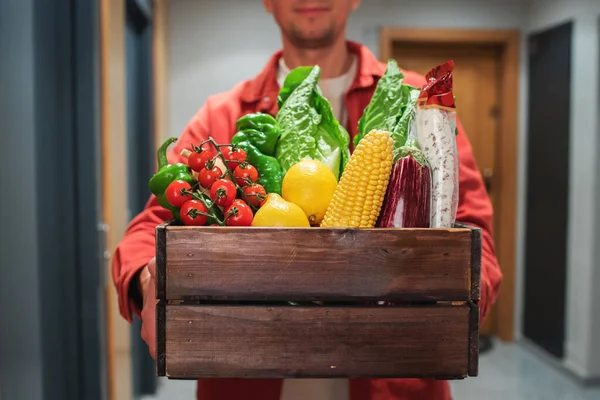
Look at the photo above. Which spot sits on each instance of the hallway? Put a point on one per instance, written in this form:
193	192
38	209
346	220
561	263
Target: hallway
507	372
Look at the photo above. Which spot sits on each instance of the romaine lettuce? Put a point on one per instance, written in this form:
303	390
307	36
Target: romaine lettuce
390	108
308	127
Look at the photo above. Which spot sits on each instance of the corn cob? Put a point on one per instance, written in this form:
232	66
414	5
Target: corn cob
359	195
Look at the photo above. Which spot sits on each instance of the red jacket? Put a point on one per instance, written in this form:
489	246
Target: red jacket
217	118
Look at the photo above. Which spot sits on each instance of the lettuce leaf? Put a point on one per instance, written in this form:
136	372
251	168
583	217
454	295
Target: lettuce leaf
293	79
401	128
390	108
308	127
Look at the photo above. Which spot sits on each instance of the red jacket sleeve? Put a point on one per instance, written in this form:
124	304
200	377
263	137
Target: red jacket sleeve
137	246
475	208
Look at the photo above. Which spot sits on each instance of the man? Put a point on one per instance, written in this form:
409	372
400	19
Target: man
313	32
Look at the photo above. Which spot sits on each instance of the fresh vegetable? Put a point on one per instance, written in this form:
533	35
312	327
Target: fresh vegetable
292	81
310	184
200	156
436	134
359	195
209	175
258	134
234	156
390	109
245	174
256	194
276	211
308	126
406	203
223	192
193	213
238	214
166	174
262	130
269	170
178	192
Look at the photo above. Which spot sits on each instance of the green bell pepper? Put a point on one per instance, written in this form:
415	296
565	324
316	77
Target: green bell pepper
262	130
270	174
166	174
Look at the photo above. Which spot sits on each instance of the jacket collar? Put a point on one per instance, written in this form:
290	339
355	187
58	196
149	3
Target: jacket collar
264	86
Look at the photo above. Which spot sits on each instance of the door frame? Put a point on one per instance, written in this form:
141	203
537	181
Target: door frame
114	162
114	180
505	179
160	56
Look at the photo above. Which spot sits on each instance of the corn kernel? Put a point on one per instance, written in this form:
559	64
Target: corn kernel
359	195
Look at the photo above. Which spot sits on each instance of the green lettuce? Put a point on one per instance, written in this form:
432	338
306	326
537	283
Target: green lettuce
292	81
307	124
390	108
401	128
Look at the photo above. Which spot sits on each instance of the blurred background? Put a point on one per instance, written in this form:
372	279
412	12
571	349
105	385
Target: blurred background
90	87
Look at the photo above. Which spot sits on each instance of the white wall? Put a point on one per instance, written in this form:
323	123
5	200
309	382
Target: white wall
215	44
212	48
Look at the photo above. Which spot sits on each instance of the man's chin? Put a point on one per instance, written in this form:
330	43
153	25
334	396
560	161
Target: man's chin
312	42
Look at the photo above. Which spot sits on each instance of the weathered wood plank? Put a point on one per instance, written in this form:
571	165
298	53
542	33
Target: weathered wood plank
473	340
161	323
318	264
292	342
161	260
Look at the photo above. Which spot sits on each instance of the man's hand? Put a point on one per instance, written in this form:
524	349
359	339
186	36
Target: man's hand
147	286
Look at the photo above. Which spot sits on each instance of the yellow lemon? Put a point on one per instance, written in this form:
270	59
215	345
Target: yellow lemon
278	212
310	184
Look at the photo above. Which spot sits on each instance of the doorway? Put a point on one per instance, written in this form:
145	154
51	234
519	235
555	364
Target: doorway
140	156
52	308
545	296
486	89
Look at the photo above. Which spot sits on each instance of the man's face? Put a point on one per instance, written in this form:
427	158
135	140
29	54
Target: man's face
311	23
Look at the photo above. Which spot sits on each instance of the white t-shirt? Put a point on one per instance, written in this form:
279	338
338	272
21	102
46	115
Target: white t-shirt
334	90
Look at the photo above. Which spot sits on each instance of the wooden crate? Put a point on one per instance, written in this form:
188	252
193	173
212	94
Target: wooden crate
223	306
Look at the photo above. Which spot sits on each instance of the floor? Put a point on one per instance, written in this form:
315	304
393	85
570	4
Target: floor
507	372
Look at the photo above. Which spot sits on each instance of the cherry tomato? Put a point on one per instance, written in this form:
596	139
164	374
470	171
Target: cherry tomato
238	214
223	192
234	157
207	177
190	213
178	192
245	174
256	194
208	147
197	161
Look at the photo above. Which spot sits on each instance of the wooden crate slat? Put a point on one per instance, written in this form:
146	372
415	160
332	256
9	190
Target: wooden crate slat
473	339
321	264
161	323
292	342
161	260
476	265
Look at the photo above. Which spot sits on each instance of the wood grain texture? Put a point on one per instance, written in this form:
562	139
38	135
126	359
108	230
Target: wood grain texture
473	339
161	323
476	264
318	264
161	260
326	342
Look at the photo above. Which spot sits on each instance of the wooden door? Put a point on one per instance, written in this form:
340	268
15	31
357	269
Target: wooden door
477	70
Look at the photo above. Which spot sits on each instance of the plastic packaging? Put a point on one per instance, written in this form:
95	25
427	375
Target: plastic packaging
436	135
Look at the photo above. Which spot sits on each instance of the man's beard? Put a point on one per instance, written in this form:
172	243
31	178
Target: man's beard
324	40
